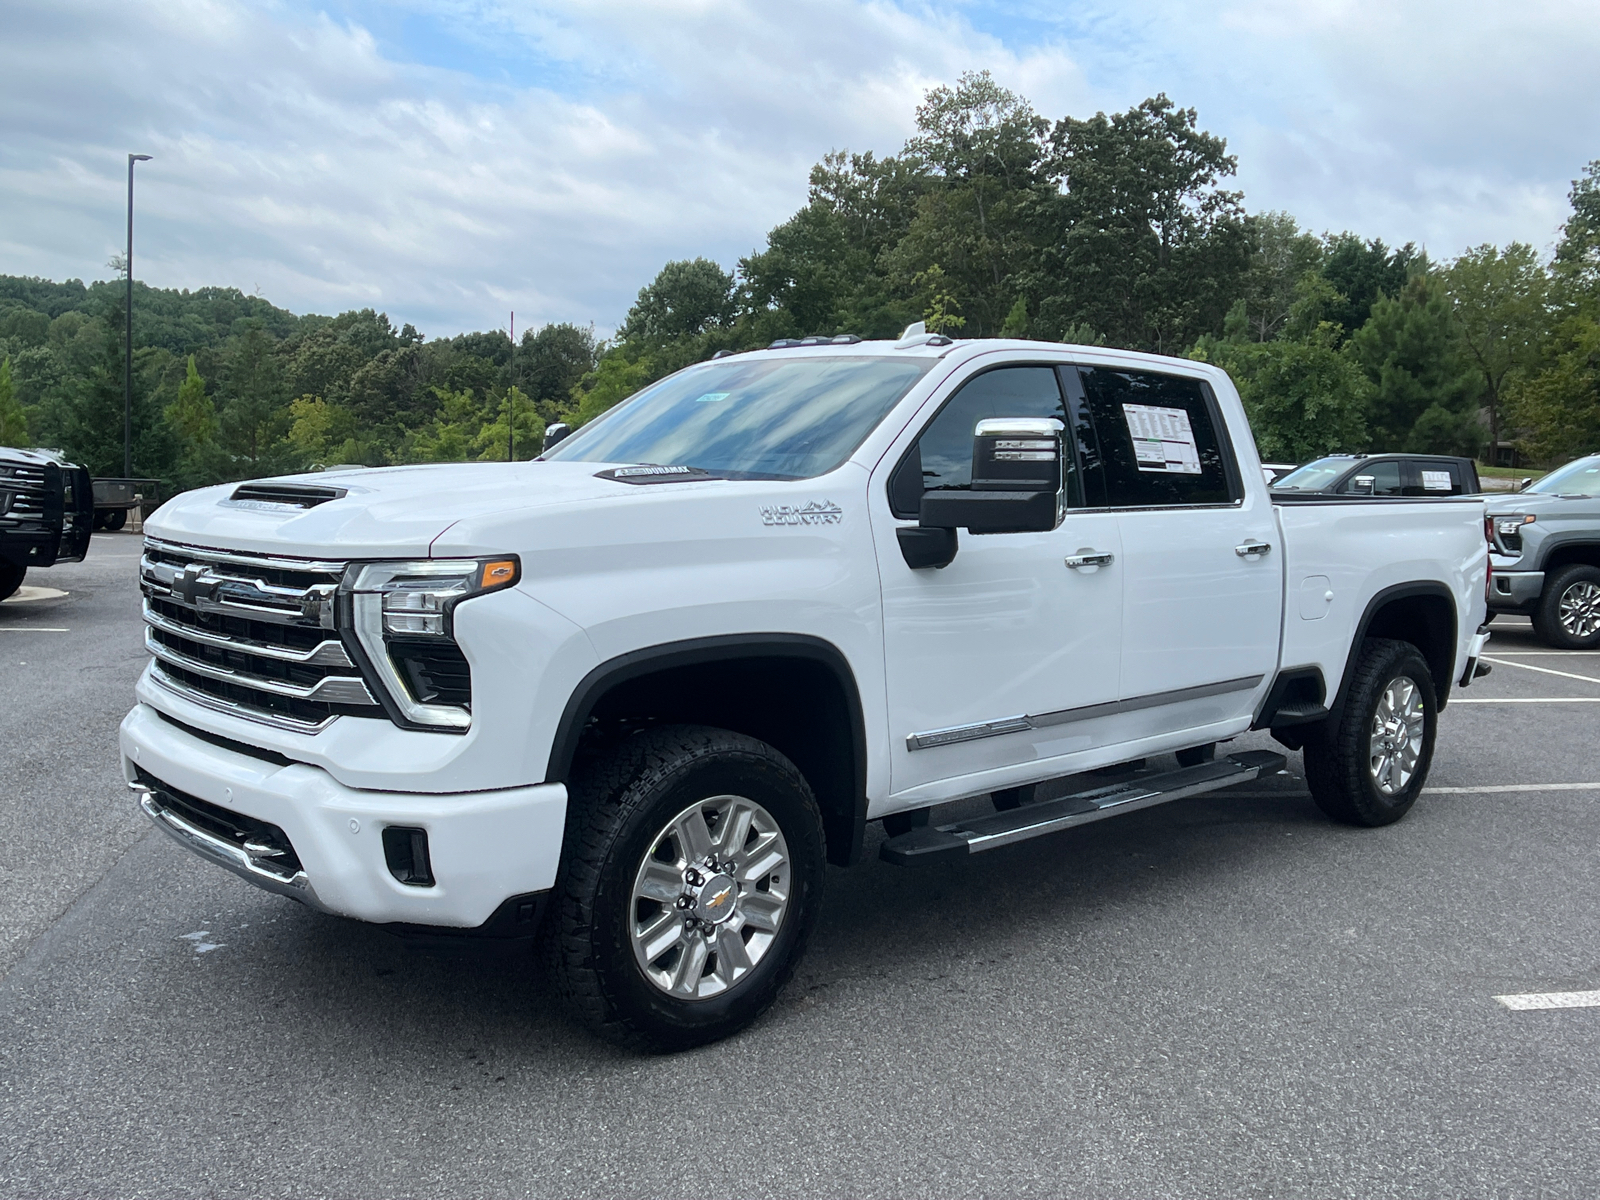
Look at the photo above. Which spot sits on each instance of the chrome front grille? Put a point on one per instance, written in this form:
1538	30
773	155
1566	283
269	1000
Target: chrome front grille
251	635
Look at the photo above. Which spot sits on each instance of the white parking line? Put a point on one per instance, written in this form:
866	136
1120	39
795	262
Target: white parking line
1542	670
31	629
1548	653
1481	790
1525	700
1486	789
1529	1000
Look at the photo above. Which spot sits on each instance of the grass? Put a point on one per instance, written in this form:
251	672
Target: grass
1509	472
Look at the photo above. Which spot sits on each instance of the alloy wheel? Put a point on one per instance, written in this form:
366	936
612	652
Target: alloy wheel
1395	742
1579	609
709	897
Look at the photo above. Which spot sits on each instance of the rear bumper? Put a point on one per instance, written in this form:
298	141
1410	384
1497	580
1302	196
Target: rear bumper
485	847
1515	591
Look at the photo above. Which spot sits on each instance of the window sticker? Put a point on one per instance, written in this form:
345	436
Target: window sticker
1436	481
1162	439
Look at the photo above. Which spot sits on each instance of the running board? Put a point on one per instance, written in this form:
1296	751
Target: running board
928	845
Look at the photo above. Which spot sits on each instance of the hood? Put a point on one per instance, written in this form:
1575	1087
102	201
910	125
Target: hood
383	512
1513	502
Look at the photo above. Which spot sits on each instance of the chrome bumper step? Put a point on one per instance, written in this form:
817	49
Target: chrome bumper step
935	844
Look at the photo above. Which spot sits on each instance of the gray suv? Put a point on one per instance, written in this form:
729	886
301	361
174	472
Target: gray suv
1545	555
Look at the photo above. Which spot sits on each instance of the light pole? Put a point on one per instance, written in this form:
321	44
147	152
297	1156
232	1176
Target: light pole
511	398
127	363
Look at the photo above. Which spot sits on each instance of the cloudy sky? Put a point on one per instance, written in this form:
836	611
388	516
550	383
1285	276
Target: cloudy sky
449	160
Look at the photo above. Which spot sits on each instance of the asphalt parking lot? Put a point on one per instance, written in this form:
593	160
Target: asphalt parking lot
1223	996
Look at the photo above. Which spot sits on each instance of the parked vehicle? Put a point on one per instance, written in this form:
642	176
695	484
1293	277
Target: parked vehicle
650	684
1545	556
114	499
1385	475
46	514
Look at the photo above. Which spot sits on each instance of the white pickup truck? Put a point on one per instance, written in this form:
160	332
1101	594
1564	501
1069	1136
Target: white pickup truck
640	691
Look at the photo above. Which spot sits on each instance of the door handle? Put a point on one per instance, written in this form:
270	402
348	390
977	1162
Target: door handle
1253	549
1090	558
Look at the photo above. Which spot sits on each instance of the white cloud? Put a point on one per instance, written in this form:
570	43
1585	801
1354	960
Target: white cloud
293	156
447	160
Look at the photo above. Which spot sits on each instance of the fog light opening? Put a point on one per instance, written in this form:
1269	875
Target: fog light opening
405	849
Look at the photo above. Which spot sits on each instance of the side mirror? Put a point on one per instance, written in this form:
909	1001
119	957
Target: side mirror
1522	484
1362	484
555	432
1016	481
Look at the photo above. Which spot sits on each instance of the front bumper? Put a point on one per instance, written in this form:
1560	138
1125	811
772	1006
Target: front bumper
485	847
1515	591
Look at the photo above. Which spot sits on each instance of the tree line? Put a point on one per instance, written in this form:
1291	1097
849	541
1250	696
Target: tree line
992	221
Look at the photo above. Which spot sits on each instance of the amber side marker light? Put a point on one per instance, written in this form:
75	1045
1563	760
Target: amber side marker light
498	573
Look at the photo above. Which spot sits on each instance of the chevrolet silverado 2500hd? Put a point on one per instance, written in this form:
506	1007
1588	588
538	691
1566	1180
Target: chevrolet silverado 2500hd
1545	554
644	688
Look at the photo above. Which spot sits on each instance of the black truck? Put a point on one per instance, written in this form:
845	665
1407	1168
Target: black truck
46	514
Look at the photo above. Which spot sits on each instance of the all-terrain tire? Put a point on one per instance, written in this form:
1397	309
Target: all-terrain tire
616	813
1344	760
1567	617
11	577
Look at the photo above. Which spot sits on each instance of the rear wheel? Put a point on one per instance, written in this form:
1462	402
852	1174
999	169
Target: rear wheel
116	518
11	577
1568	616
692	879
1369	767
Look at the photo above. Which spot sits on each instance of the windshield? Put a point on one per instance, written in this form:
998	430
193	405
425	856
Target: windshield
1581	478
754	418
1314	476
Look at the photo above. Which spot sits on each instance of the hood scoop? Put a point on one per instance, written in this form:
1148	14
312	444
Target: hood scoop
280	497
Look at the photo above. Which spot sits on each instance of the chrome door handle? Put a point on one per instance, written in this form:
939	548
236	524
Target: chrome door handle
1253	549
1090	558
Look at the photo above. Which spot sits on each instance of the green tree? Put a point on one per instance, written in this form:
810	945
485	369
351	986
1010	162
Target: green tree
1142	243
1281	256
552	361
254	416
192	415
492	440
686	298
1578	252
13	422
1498	299
1304	398
1560	405
1421	389
985	150
1360	272
822	271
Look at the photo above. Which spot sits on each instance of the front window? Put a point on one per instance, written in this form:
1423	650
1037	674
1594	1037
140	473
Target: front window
751	418
1581	478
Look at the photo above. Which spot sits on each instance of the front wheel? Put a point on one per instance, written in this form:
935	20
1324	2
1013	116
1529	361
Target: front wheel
1568	616
693	877
1369	767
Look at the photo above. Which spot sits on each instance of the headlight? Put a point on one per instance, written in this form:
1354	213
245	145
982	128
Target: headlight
404	620
1508	531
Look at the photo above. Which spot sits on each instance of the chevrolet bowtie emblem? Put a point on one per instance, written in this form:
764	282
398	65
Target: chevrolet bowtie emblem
718	900
187	584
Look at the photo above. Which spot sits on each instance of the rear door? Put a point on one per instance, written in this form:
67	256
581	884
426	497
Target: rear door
1201	579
